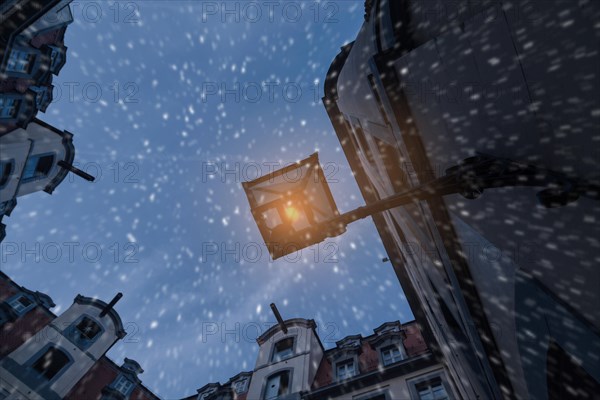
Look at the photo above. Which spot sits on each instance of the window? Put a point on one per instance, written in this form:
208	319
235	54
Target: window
432	390
6	168
88	328
277	385
207	393
42	96
345	369
83	332
9	107
38	167
51	363
122	385
56	58
21	304
391	354
241	386
20	61
377	397
283	349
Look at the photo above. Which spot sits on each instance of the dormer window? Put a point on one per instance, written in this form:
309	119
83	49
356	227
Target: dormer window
277	385
84	332
345	369
283	349
241	386
51	363
207	393
42	96
391	354
122	385
21	304
56	58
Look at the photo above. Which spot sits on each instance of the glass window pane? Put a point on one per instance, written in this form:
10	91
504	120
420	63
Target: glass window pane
9	107
283	349
51	362
88	328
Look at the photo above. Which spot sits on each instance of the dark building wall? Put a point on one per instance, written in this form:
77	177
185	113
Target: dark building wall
14	334
101	375
427	84
31	325
369	358
90	386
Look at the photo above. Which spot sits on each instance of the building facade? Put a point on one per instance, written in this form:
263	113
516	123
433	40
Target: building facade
392	363
45	357
34	156
32	52
505	286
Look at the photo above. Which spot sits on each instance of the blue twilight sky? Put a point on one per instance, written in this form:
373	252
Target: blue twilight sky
139	91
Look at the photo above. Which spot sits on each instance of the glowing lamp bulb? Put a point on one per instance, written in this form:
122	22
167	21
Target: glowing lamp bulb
292	213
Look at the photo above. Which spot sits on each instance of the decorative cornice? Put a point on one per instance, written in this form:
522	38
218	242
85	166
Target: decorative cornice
299	322
114	316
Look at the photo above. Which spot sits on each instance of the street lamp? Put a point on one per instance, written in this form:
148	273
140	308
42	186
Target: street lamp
294	208
290	204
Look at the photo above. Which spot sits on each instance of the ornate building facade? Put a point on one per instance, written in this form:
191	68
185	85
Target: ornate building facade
34	155
292	364
44	356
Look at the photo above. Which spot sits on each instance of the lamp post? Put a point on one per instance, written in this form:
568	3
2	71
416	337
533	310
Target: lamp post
294	208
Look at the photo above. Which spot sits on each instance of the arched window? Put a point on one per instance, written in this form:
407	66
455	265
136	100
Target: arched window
84	332
51	363
277	385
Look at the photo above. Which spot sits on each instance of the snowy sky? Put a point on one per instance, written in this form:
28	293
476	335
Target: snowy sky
139	93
